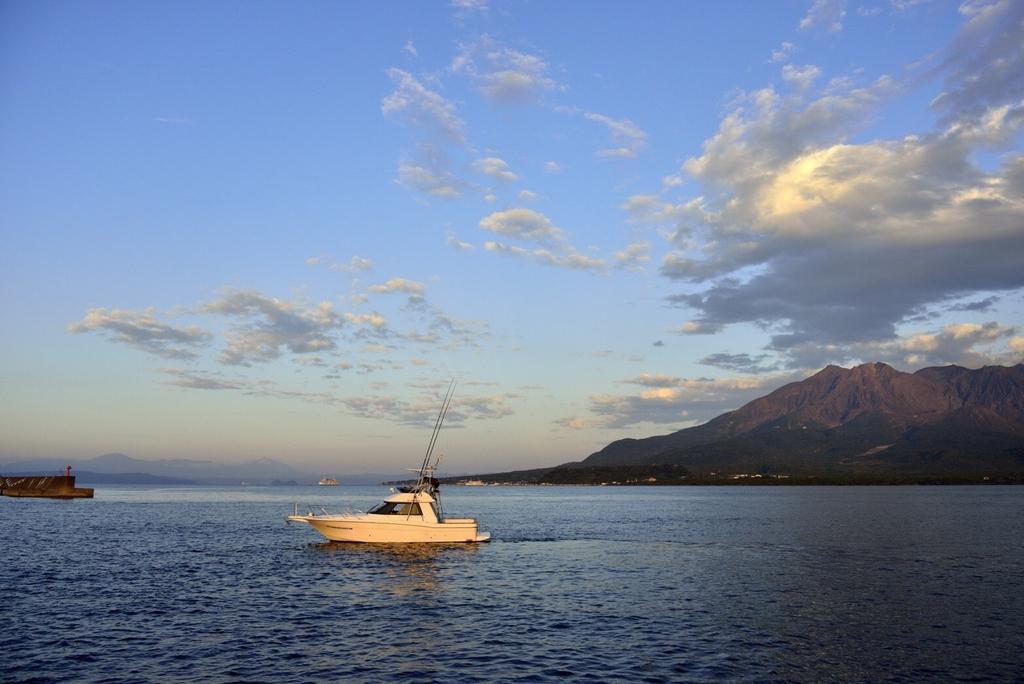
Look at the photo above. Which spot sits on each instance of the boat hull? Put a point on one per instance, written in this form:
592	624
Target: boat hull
352	529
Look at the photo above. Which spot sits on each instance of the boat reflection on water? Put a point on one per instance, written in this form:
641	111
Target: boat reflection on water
413	552
405	568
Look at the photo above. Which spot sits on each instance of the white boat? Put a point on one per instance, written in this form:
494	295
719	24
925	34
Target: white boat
411	514
328	482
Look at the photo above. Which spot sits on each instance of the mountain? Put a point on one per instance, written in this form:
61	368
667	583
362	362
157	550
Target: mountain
871	423
868	420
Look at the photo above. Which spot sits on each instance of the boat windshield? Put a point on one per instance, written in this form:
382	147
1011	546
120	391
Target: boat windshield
397	508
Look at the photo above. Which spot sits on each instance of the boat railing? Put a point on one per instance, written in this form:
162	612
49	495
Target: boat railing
323	511
310	512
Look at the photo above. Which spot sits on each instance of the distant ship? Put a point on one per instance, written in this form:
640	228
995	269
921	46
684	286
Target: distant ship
328	482
473	483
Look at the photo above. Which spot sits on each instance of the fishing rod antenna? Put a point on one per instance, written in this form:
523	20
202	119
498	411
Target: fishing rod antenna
445	404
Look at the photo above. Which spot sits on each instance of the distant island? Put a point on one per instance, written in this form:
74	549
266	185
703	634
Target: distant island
871	424
121	469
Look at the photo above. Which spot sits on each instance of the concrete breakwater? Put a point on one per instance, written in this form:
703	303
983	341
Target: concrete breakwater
45	486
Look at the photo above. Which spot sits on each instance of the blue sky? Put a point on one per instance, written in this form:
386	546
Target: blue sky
244	230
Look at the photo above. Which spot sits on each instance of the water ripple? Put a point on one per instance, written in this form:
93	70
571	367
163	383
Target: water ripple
658	585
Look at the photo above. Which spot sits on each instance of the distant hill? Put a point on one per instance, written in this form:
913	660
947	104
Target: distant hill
83	477
119	468
871	422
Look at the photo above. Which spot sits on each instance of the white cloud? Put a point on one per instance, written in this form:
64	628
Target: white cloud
353	265
663	381
399	285
502	73
575	423
310	361
649	209
433	181
410	48
358	263
376	348
785	51
523	224
422	411
275	324
510	85
201	380
470	5
965	344
495	168
697	328
680	402
417	104
419	411
374	320
428	171
800	78
569	259
627	138
527	196
552	167
958	343
142	330
532	226
741	363
659	380
452	240
983	66
825	14
634	256
643	205
826	243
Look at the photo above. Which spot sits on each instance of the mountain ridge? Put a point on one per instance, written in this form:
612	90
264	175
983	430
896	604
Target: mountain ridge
989	400
871	423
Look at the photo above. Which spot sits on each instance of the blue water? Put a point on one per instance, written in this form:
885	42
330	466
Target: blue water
603	584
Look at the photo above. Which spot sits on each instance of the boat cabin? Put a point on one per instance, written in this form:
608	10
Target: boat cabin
410	505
